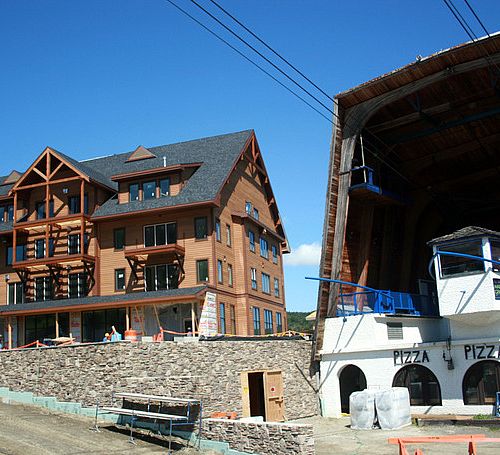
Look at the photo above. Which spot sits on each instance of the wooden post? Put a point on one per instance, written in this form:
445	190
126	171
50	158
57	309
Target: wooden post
82	212
14	233
9	333
127	318
193	318
57	325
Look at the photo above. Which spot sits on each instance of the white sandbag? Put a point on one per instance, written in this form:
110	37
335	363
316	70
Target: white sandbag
362	410
393	408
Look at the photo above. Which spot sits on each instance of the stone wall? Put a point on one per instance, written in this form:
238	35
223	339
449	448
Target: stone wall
206	370
262	438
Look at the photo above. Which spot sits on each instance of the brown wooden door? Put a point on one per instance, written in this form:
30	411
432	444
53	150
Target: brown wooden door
275	402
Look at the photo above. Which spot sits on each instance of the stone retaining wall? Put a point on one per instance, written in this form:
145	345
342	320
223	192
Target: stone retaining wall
206	370
262	438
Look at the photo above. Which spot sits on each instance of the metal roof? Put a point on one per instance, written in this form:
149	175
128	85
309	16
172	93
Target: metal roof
465	233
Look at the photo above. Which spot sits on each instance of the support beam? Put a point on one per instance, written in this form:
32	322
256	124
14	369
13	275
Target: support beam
9	332
193	318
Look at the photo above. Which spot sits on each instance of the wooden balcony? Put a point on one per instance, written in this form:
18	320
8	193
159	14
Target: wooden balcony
66	259
62	222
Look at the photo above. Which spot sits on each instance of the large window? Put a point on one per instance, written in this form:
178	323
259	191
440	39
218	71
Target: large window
97	323
119	279
133	192
200	227
160	234
268	322
421	383
74	244
162	276
248	207
222	318
228	235
9	213
149	190
274	249
232	310
256	320
39	248
74	204
20	254
251	240
39	327
77	285
15	293
455	265
264	248
481	382
217	230
266	283
279	323
119	238
230	275
43	288
202	271
220	275
276	287
164	187
40	209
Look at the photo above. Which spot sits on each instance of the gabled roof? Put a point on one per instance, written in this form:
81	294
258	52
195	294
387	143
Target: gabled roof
216	154
141	153
468	232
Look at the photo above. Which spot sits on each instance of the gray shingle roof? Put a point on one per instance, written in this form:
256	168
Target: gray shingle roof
465	233
4	189
6	226
217	155
116	298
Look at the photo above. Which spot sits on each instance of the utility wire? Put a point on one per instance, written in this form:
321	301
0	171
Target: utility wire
248	59
261	55
477	18
271	49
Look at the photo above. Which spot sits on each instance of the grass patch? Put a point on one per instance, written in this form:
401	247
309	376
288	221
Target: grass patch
484	417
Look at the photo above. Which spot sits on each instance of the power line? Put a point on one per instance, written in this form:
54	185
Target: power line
261	55
271	49
460	19
477	18
248	59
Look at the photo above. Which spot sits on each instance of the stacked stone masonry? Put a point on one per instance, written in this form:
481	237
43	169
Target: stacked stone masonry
262	438
209	371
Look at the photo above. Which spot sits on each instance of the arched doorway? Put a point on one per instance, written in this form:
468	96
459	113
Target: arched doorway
351	379
481	382
421	383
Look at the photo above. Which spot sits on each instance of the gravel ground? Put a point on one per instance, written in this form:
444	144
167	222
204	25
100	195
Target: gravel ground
26	430
334	436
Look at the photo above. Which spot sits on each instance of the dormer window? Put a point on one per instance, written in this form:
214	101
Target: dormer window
164	187
149	190
133	191
459	265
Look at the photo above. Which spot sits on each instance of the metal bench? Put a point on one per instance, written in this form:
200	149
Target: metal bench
157	417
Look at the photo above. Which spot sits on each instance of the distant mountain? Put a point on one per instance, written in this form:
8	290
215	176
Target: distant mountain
297	322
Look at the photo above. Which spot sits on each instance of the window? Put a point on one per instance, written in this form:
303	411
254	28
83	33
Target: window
10	212
51	247
217	230
274	249
248	207
39	327
228	235
119	279
20	254
74	204
15	293
160	234
133	192
220	277
74	244
495	254
232	310
202	270
222	318
164	187
279	323
266	283
481	382
256	320
421	383
230	275
40	209
253	278
200	228
264	248
39	248
43	288
453	265
268	322
77	285
255	213
149	190
276	287
251	240
119	238
159	277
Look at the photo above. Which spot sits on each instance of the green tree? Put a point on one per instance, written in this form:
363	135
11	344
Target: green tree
297	322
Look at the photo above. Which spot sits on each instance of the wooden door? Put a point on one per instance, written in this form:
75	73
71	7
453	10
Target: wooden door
275	401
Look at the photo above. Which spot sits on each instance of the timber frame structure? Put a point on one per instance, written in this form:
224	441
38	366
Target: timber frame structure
414	155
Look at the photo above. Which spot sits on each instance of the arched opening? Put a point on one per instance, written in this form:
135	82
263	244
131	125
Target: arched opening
421	383
481	382
352	379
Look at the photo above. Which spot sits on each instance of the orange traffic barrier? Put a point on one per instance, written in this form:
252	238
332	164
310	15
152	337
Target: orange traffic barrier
470	439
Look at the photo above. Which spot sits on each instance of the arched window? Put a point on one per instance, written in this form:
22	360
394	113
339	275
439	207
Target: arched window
421	383
481	382
351	379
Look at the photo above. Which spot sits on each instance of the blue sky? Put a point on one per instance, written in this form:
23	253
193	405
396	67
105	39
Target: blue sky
93	78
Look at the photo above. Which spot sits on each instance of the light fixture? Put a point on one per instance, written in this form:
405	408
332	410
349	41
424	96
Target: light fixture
65	190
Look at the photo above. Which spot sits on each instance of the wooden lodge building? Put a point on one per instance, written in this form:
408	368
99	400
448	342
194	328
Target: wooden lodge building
137	240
